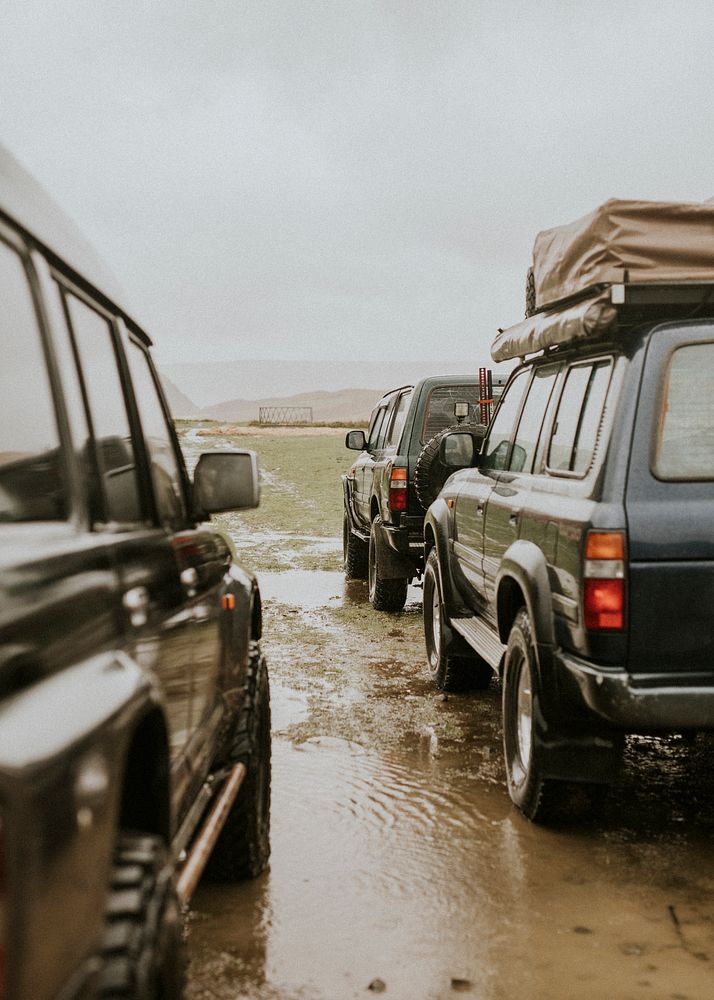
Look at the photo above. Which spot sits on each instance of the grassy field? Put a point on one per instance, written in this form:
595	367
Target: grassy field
300	502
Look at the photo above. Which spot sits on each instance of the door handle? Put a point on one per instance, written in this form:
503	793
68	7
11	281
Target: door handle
514	519
136	602
189	578
479	507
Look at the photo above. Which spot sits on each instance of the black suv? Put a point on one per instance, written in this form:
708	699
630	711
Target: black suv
134	701
575	557
395	478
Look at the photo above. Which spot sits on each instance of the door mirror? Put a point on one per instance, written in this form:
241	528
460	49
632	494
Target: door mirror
458	450
226	480
355	441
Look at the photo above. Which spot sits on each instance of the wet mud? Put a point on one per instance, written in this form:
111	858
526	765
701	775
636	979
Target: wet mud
399	865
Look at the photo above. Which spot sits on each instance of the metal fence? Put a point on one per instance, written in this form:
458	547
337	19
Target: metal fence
285	414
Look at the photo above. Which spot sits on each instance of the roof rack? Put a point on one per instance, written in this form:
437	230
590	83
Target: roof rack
600	313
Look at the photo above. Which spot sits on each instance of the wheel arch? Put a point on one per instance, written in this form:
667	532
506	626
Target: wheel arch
437	528
523	582
145	803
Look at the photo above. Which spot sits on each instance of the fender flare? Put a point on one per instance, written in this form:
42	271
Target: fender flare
437	524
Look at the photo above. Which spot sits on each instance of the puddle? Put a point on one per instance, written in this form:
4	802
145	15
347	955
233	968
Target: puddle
396	868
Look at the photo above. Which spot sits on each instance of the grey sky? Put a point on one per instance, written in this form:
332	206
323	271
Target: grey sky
331	179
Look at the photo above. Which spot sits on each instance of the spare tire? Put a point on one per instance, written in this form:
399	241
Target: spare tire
430	473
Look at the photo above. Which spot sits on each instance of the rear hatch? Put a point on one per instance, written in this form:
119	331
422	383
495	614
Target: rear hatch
670	507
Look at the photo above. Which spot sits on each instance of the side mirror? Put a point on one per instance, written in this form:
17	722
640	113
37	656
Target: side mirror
458	450
355	440
226	480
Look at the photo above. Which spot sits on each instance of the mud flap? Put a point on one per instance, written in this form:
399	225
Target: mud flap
393	553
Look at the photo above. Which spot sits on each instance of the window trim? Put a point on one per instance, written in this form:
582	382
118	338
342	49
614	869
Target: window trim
591	361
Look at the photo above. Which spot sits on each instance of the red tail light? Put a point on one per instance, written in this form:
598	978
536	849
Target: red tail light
398	491
604	594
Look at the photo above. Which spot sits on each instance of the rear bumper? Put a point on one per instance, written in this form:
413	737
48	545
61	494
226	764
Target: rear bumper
644	704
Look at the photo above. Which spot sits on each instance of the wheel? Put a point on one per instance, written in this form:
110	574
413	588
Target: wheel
355	552
530	293
453	666
243	847
142	953
384	595
538	798
430	473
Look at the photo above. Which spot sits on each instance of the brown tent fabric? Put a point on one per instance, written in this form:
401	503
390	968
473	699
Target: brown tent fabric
625	241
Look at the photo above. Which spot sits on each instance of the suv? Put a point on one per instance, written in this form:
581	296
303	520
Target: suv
395	478
134	701
574	553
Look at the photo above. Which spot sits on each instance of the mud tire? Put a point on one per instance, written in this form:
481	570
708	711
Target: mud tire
143	952
355	552
530	293
384	595
452	664
243	847
430	473
540	799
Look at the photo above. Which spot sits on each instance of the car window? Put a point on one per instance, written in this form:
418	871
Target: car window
498	443
578	418
376	429
439	410
400	416
113	445
32	481
531	421
684	444
165	469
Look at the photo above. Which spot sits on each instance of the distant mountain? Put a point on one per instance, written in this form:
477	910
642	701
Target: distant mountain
209	382
347	405
179	404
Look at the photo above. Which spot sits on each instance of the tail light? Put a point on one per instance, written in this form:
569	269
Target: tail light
604	596
398	490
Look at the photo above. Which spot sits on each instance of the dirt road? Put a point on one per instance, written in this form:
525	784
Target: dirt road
400	866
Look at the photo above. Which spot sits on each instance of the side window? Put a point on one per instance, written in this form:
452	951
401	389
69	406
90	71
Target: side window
501	430
165	470
684	448
376	428
32	486
578	418
109	420
400	416
529	426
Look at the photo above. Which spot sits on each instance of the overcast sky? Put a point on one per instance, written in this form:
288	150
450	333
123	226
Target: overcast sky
326	180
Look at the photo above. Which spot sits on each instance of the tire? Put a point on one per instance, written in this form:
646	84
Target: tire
384	595
430	473
355	552
530	293
243	847
452	665
539	799
143	951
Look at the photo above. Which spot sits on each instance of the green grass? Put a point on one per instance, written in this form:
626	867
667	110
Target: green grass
301	496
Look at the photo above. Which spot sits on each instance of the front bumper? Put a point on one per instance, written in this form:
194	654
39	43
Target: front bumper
648	703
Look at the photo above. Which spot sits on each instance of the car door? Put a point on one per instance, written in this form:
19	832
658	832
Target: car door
202	559
476	486
509	496
364	466
156	619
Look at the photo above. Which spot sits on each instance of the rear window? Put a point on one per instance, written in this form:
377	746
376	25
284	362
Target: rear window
684	447
439	412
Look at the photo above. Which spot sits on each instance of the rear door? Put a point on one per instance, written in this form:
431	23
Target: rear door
670	507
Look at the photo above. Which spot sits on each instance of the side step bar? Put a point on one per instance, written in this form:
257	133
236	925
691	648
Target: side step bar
483	639
210	830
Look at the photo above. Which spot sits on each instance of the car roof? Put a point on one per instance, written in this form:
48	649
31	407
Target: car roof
24	202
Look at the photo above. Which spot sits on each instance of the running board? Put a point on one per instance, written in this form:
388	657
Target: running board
204	843
483	639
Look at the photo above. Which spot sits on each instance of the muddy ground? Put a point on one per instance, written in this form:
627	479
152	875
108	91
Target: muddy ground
399	865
